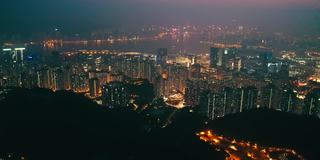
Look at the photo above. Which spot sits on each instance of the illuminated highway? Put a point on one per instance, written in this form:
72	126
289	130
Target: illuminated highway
239	150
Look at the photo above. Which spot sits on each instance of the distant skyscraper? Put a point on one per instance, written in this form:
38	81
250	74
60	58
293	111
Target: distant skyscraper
3	81
161	85
288	98
79	82
16	54
195	71
265	58
249	97
221	57
193	91
45	78
270	97
6	56
67	78
94	87
115	94
58	80
12	60
211	105
231	100
162	56
313	103
238	63
214	56
317	70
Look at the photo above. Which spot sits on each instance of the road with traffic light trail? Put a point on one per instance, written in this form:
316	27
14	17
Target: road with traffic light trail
241	150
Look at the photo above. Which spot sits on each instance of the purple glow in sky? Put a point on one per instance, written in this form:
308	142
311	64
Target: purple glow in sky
92	14
235	2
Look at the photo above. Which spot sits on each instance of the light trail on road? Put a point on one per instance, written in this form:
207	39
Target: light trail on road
239	150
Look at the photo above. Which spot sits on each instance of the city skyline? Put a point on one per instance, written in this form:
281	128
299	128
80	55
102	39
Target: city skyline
146	79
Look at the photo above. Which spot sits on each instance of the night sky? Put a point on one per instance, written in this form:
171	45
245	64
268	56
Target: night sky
72	16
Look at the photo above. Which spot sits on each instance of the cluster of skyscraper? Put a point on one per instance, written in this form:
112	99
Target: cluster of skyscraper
264	84
216	84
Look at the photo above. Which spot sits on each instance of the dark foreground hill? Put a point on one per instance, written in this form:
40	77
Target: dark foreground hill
274	128
39	124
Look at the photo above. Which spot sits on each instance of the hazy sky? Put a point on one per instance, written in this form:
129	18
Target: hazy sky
26	16
232	2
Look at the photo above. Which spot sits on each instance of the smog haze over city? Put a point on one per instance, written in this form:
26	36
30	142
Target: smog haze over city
88	15
159	79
